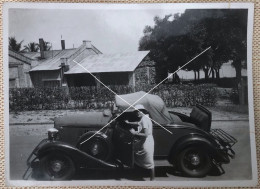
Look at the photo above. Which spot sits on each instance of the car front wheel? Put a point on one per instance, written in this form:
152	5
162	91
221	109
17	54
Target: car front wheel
194	162
56	166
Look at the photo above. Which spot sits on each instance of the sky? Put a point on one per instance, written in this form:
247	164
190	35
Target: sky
111	31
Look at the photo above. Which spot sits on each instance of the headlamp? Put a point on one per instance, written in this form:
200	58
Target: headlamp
52	134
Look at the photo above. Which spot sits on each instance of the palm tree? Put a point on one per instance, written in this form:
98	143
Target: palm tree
31	47
14	45
46	46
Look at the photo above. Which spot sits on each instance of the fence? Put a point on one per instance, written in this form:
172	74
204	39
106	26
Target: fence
21	99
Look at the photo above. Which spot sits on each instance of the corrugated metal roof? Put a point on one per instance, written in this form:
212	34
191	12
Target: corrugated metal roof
31	55
54	63
120	62
20	57
37	55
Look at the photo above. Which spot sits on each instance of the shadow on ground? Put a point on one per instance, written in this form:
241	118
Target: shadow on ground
136	174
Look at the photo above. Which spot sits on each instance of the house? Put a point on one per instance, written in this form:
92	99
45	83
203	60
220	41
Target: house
63	69
19	67
52	64
112	69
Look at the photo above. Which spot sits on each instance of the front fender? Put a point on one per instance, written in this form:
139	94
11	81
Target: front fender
209	145
80	158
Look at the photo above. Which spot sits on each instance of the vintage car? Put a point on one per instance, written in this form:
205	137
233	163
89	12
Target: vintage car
102	140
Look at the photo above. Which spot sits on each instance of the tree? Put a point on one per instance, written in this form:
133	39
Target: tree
236	26
175	42
14	45
46	46
31	47
171	41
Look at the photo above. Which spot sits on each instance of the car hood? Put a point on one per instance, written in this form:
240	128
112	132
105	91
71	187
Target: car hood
86	119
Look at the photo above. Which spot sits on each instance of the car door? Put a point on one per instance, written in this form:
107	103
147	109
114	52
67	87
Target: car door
124	146
164	139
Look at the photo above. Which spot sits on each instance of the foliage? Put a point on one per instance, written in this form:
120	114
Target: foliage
46	46
37	98
14	45
31	47
21	99
174	42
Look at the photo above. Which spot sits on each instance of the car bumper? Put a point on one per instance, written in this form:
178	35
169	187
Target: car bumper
32	159
225	141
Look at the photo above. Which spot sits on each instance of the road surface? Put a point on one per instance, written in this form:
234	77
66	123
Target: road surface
23	139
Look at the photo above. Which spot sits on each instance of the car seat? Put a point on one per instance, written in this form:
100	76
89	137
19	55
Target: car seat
201	117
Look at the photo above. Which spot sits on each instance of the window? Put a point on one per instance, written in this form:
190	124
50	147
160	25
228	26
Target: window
12	83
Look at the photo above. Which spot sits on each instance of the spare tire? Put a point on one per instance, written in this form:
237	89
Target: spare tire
97	146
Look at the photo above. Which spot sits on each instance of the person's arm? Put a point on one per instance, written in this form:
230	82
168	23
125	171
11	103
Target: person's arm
132	123
145	134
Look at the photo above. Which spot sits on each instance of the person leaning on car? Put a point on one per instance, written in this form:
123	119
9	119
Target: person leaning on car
144	148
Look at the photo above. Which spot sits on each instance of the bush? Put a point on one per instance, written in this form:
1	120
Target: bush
187	95
37	98
21	99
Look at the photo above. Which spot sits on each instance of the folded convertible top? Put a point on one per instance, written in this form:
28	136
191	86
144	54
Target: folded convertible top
153	104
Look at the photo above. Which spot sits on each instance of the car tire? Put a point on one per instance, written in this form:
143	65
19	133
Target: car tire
57	166
194	162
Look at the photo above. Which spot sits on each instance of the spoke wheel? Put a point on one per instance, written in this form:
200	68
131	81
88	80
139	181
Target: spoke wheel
57	167
194	162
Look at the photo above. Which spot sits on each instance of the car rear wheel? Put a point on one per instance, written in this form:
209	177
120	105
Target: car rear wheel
194	162
56	166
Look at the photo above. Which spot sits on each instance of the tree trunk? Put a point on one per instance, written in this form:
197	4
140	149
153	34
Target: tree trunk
239	83
217	74
213	74
206	71
198	75
238	73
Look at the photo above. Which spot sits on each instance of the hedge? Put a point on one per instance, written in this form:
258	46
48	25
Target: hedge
21	99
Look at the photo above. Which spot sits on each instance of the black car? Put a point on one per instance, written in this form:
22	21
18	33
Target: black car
101	140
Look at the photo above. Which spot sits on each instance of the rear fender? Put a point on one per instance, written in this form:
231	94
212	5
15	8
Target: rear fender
211	147
80	158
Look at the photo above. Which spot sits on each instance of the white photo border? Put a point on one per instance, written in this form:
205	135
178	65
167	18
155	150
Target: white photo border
241	183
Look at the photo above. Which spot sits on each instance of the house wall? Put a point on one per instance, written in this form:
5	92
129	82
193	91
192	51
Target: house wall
79	80
115	78
145	73
51	78
19	73
111	78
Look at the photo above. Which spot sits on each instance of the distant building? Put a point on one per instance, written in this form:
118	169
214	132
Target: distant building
19	67
59	68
